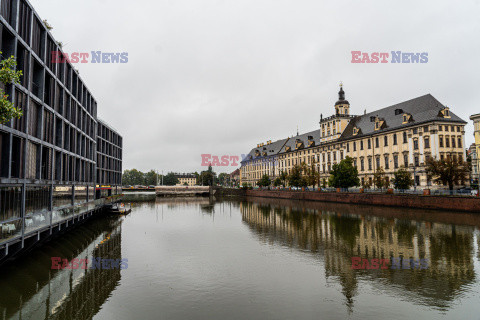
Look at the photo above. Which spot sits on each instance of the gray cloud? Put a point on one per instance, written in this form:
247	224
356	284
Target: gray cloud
221	76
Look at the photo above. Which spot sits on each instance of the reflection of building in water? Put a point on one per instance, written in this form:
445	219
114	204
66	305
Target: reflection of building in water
78	293
336	236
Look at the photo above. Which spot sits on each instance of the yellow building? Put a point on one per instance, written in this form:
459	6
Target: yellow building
476	126
404	134
186	179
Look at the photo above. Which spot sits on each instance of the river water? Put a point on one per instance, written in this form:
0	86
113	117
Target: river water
254	259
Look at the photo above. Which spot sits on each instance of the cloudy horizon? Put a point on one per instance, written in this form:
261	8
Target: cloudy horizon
218	77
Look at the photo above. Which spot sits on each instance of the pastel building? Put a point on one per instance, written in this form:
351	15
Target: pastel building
404	134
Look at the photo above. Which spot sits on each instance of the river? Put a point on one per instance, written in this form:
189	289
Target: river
254	259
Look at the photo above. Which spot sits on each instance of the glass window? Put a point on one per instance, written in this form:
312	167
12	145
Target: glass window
10	203
80	194
37	199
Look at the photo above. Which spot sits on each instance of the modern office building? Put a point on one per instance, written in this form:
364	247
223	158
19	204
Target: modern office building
404	134
54	156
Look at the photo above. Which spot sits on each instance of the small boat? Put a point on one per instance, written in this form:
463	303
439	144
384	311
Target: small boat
120	208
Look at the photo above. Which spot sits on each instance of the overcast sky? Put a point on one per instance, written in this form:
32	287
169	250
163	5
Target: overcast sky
219	77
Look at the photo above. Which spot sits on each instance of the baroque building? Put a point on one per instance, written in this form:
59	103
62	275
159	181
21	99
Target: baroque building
405	134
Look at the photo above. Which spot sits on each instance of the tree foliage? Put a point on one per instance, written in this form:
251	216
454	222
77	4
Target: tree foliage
8	75
170	179
150	178
379	179
264	181
344	174
312	175
207	178
133	177
402	179
283	177
278	182
448	171
296	178
223	178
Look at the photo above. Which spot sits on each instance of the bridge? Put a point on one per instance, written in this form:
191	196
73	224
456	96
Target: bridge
183	191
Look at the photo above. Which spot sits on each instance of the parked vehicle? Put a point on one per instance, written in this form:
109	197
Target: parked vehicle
466	190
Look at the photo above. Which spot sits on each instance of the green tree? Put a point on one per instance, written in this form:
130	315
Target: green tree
448	171
283	177
223	178
170	179
312	175
277	182
133	177
379	179
264	181
151	178
207	178
402	179
296	178
324	183
8	75
344	174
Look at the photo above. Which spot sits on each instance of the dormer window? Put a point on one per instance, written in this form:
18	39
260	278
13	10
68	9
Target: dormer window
407	117
379	123
444	113
355	131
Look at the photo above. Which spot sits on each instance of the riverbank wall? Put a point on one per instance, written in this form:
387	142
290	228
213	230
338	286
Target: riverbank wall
450	203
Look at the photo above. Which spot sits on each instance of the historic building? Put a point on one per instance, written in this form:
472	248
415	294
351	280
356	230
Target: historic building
476	126
404	134
186	178
472	153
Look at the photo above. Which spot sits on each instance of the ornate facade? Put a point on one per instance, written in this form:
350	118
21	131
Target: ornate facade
404	134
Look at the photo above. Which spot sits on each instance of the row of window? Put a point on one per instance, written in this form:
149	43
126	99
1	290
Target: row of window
44	48
455	142
41	162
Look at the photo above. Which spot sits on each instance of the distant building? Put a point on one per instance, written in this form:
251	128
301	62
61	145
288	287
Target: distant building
405	134
476	125
186	178
472	153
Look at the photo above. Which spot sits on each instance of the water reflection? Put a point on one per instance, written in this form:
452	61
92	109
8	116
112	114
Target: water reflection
335	233
32	290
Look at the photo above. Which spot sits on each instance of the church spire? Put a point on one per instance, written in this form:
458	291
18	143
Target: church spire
341	96
341	93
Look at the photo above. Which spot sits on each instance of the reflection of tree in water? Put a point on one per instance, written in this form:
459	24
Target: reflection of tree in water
346	228
405	231
338	236
451	252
